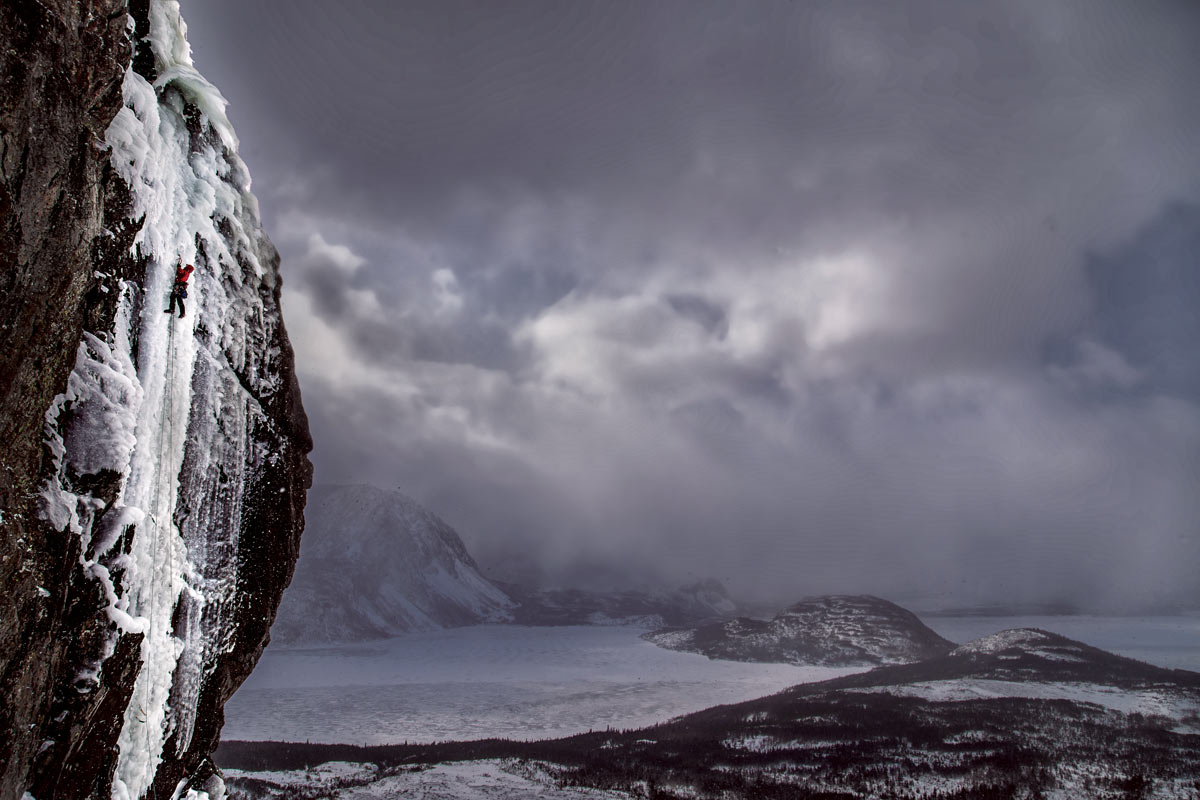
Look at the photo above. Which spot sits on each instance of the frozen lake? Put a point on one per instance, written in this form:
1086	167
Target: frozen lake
531	683
489	680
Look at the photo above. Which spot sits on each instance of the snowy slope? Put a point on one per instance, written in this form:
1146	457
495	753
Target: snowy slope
835	630
374	564
1037	664
191	425
1171	641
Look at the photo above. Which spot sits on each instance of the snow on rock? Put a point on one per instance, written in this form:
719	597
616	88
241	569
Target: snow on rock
1026	640
374	564
177	438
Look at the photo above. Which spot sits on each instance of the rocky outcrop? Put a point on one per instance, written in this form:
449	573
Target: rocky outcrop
153	476
834	630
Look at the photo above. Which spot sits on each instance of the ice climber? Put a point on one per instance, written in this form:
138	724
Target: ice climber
179	290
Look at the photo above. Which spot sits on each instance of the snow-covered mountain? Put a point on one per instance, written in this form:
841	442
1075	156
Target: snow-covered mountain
835	630
375	563
155	466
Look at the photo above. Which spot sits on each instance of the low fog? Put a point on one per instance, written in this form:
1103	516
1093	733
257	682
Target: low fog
807	297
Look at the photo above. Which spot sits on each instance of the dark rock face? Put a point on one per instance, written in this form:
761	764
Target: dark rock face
112	555
61	65
832	631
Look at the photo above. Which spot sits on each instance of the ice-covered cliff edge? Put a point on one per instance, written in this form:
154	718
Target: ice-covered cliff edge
162	524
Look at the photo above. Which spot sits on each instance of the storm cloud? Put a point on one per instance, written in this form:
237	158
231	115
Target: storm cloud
809	297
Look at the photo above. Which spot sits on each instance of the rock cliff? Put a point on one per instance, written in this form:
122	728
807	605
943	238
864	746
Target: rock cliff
153	477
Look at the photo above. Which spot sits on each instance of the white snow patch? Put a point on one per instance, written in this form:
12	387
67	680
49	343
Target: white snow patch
1023	638
472	780
327	776
1184	708
102	402
761	743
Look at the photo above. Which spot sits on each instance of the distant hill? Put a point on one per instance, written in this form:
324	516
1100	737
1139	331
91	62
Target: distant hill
834	631
1030	655
375	563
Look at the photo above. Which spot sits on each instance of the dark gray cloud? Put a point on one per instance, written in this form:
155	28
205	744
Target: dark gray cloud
1146	296
809	296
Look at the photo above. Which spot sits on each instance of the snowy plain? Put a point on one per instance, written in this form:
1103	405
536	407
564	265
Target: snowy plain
473	780
489	681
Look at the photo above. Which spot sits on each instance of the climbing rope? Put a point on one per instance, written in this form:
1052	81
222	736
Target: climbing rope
167	532
162	532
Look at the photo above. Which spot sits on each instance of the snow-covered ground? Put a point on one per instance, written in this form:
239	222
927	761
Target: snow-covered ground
474	780
489	680
1166	641
1150	702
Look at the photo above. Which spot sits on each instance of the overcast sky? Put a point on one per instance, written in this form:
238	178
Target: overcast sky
810	297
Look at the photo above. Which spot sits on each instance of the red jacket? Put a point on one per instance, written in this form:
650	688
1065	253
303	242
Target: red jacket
181	274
